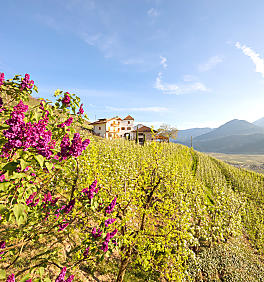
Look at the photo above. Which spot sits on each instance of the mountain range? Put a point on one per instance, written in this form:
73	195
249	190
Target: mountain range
233	137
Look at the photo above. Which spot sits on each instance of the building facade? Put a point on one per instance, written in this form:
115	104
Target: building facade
114	128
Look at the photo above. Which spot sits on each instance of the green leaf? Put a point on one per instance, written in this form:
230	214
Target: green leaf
41	271
4	185
10	166
20	213
39	159
47	280
2	274
26	277
35	88
23	164
49	166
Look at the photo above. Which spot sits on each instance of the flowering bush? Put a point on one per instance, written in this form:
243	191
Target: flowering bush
38	143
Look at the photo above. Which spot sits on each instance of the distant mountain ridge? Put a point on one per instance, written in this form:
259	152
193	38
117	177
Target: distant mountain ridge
235	136
259	122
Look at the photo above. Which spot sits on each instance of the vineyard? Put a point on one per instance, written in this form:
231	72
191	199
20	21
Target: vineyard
89	209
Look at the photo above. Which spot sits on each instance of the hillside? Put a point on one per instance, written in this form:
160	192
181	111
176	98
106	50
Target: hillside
113	210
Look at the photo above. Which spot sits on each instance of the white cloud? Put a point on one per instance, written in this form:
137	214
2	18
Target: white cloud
211	63
255	57
177	89
107	43
163	62
138	109
152	12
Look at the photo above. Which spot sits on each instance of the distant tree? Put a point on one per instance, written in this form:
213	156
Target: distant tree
137	136
168	131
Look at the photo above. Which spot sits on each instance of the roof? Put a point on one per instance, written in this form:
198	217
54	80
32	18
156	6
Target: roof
98	122
104	120
144	129
128	118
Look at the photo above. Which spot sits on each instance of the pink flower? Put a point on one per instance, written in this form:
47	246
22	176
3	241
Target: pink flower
81	111
66	99
11	278
2	78
61	276
2	178
26	83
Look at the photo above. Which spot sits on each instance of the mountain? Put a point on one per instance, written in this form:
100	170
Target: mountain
185	135
259	122
233	127
235	136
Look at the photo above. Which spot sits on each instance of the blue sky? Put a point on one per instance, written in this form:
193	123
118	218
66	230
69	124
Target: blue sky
191	63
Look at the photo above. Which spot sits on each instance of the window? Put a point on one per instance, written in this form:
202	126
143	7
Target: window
128	122
129	128
99	127
122	128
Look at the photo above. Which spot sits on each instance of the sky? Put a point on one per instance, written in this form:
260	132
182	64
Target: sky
187	63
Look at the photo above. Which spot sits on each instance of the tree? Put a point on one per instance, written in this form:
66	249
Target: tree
168	131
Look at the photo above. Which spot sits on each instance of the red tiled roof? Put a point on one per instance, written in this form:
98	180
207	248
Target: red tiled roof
128	118
144	129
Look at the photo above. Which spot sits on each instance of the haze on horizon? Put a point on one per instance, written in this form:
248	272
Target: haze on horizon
186	63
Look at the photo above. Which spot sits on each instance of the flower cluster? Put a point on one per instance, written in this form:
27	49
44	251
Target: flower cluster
66	99
107	240
31	201
68	122
47	199
81	111
26	82
91	191
2	78
2	178
27	135
2	246
110	208
98	233
11	278
74	148
62	274
109	221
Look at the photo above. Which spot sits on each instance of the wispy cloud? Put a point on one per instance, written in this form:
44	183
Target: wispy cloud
138	109
178	89
106	43
152	12
210	64
163	62
255	57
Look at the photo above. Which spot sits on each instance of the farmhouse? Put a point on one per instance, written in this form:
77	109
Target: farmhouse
114	127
